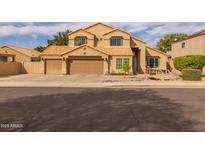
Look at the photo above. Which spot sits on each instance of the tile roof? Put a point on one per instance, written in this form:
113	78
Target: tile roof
154	49
98	24
25	51
56	50
116	29
116	51
59	50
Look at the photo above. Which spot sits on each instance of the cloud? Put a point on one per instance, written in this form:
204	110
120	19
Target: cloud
149	32
33	29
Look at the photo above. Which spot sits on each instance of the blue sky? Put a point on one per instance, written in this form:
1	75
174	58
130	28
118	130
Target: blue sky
26	34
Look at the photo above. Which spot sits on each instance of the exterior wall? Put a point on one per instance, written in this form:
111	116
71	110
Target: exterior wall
10	68
125	36
193	46
90	38
142	54
163	58
99	29
19	57
113	63
32	67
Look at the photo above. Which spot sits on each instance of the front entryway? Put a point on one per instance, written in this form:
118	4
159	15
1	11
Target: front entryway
85	66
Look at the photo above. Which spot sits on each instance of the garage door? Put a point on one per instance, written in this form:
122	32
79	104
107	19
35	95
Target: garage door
54	66
82	66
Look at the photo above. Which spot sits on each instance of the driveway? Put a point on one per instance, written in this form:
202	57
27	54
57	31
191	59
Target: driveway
54	78
98	109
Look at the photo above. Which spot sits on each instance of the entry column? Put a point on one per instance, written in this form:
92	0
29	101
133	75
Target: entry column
64	66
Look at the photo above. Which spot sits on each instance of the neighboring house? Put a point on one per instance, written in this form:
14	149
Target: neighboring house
21	54
193	45
6	57
101	49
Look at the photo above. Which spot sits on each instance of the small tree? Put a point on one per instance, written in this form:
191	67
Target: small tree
126	67
164	44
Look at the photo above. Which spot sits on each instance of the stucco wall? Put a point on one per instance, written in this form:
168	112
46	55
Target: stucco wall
163	58
193	46
117	33
113	63
32	67
72	36
99	29
12	68
142	53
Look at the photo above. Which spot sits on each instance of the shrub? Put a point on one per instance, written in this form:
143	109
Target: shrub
117	73
126	67
35	59
191	74
191	61
152	72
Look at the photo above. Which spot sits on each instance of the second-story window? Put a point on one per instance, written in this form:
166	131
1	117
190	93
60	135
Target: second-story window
80	41
183	45
116	41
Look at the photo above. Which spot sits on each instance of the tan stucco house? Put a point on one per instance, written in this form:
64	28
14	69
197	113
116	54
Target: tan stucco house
6	57
101	49
20	54
193	45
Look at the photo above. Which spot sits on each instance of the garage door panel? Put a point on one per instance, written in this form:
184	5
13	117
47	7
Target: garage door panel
86	66
53	66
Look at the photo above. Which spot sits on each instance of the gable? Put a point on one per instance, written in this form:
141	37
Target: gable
85	51
81	32
99	29
117	32
155	52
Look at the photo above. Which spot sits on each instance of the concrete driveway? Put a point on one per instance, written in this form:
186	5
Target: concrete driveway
98	109
54	78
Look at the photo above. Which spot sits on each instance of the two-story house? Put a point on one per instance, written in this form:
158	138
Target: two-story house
101	49
193	45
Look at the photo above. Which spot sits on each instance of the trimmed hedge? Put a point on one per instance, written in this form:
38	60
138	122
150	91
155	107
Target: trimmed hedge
191	61
191	74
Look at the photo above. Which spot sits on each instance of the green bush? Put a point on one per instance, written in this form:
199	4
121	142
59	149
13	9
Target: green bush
152	72
126	67
191	61
36	59
118	73
191	74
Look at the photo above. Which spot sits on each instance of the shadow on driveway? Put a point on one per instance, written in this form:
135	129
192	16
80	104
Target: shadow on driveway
95	110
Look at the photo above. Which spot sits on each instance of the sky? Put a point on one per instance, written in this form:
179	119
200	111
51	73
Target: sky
30	35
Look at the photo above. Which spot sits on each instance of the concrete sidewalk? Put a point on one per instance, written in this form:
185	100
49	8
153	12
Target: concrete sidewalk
91	81
140	84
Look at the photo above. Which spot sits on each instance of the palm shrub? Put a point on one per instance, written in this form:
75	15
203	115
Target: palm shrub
191	61
191	74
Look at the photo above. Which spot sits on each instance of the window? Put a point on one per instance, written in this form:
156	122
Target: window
120	62
3	59
183	45
80	41
153	62
116	41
